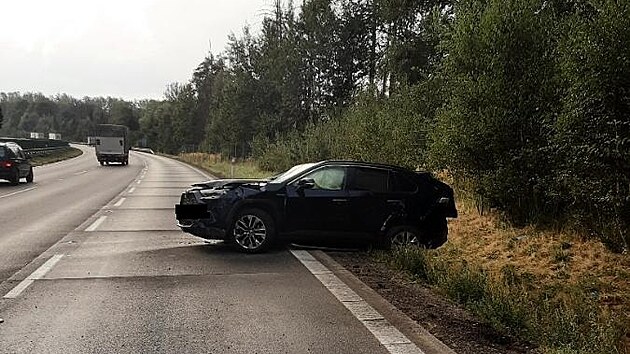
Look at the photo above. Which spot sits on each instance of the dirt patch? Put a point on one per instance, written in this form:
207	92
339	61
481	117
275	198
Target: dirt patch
453	325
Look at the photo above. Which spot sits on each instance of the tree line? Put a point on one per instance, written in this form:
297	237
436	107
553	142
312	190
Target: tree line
523	104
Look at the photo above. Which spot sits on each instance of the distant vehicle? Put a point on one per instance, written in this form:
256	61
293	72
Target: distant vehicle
35	135
111	143
54	136
14	164
390	205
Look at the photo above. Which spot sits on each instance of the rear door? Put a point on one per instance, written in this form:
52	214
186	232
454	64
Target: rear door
369	198
20	160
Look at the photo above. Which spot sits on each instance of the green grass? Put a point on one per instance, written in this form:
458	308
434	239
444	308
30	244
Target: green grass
56	156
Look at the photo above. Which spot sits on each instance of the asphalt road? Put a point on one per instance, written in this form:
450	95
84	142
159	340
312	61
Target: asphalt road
91	261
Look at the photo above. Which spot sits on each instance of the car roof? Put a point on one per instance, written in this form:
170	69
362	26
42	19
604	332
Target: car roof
9	143
363	163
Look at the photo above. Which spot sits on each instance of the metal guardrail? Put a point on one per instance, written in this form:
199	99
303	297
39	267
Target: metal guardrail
42	151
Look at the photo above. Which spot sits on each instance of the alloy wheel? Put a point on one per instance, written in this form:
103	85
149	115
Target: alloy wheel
250	232
405	238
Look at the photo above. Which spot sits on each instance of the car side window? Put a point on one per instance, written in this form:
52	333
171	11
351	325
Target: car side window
20	153
328	178
14	152
370	179
2	152
401	184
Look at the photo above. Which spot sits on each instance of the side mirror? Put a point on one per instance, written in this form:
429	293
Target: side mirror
305	183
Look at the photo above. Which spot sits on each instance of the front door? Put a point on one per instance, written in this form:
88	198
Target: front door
324	207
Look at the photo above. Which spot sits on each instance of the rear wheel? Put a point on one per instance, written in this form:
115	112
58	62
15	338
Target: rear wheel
404	235
253	231
15	177
29	177
432	235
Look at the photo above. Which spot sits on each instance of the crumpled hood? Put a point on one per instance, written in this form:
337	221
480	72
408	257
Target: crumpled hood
230	183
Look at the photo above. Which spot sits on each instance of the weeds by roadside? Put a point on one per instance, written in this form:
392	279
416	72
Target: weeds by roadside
561	317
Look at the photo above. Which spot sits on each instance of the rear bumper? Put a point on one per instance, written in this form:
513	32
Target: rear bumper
111	158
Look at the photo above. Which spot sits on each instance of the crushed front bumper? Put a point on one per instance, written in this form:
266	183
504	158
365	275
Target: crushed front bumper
195	219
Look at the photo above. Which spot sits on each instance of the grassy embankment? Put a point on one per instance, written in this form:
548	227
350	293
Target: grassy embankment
567	294
56	156
223	168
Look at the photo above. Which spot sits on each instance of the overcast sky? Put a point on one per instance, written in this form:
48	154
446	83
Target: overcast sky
121	48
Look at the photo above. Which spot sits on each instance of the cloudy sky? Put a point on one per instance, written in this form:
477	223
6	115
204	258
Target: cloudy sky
121	48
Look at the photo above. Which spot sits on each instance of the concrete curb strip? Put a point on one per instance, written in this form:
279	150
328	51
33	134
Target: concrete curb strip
410	328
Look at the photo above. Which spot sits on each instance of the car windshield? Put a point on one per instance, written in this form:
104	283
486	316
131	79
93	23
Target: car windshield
291	173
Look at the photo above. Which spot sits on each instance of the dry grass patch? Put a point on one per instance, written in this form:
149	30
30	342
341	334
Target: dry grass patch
556	289
549	257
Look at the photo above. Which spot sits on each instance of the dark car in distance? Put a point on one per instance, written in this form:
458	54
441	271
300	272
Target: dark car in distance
14	164
389	205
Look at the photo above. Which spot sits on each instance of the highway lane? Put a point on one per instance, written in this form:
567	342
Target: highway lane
129	281
35	216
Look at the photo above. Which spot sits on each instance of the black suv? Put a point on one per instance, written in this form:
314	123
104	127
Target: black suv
14	164
389	204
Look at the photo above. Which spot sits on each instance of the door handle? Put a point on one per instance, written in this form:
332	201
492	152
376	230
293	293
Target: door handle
340	200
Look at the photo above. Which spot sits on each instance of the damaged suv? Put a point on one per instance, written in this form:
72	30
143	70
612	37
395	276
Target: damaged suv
389	205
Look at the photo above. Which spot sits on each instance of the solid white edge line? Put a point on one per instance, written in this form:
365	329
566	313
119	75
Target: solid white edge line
37	274
96	223
389	336
18	192
132	190
120	202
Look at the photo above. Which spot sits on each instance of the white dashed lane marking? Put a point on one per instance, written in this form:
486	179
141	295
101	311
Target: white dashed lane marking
38	274
120	202
18	192
96	224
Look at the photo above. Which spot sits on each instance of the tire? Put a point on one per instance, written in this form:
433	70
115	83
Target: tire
30	177
252	231
102	163
432	235
15	178
404	235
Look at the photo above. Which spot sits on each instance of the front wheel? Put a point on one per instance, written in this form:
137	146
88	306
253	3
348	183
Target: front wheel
253	231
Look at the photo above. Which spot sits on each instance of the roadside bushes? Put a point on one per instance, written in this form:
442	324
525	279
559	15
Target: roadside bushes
528	115
592	132
389	130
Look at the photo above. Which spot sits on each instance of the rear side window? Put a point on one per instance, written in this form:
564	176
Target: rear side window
17	151
402	184
3	154
370	179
